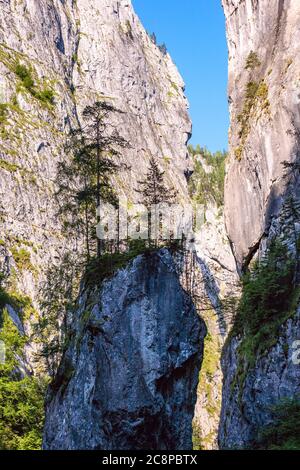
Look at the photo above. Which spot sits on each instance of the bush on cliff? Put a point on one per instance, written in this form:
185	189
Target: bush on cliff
284	432
21	395
206	186
269	298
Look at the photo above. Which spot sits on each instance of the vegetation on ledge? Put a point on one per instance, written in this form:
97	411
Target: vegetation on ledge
45	95
269	298
256	96
256	100
21	395
109	263
252	61
206	186
284	432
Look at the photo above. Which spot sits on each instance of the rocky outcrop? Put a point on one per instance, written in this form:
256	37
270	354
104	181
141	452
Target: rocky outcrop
264	64
129	377
248	402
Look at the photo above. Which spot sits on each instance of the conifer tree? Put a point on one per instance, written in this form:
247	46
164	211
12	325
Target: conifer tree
153	189
85	182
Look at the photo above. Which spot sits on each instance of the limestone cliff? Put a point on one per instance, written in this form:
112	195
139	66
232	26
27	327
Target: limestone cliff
274	378
263	41
215	293
55	58
74	53
130	375
262	213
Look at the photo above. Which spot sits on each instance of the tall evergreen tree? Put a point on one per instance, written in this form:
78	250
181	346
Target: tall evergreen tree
153	189
85	182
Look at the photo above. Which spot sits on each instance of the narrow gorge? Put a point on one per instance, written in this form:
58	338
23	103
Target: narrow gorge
147	345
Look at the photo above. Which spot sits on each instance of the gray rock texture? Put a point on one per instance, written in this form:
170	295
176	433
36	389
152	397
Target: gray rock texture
269	31
216	290
260	203
129	378
275	377
84	51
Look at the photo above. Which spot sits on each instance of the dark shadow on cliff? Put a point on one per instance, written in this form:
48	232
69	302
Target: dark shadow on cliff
212	291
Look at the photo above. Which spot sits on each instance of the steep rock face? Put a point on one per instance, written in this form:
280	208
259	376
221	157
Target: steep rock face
140	80
83	51
129	377
264	65
275	377
261	204
216	288
211	276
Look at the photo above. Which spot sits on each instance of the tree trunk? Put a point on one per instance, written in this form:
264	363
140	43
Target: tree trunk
88	255
98	190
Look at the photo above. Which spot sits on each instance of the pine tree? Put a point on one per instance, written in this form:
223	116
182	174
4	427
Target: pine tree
153	38
85	182
153	189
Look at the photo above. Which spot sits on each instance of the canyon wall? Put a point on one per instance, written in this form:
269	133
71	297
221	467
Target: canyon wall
263	38
55	58
76	53
129	378
262	212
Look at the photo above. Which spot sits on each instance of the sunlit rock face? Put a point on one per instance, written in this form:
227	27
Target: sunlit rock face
261	204
216	285
129	377
85	51
265	126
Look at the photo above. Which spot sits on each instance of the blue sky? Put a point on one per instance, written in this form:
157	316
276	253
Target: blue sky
194	32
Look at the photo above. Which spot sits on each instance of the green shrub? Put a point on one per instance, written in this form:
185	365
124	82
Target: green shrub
21	303
238	152
267	291
4	298
284	432
252	61
46	95
25	76
204	187
3	113
21	398
22	259
268	299
11	167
